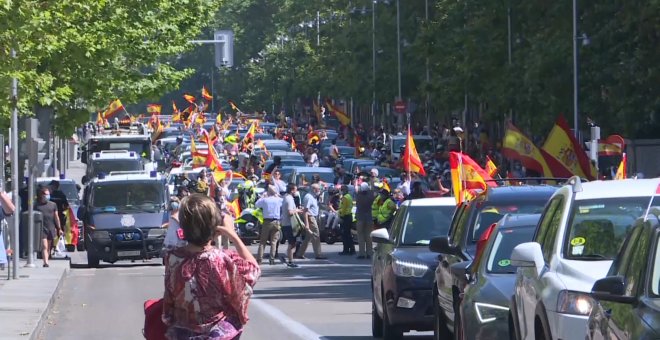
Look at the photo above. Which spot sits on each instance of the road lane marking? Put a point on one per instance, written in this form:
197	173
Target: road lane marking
291	325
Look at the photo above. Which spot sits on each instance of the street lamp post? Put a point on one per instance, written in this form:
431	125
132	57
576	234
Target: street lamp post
428	75
373	61
575	70
398	46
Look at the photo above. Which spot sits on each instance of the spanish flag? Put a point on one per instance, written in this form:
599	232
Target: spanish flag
212	161
199	158
621	171
71	230
190	99
235	207
176	117
491	168
206	95
313	138
343	118
519	147
467	175
294	146
154	109
113	109
233	105
99	119
410	158
562	145
218	119
174	108
157	132
250	133
386	185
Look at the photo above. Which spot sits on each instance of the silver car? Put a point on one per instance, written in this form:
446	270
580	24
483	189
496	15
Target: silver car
484	308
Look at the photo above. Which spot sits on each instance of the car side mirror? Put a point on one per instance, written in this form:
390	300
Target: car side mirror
611	288
526	255
380	236
462	270
441	245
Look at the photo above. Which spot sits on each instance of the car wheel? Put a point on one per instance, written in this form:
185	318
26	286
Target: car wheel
390	332
440	330
541	331
92	260
376	321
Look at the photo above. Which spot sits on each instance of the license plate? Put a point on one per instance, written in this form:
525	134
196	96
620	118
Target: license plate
128	253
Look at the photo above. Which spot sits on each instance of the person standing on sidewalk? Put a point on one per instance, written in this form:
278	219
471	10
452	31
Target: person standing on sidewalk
310	204
271	206
346	215
6	209
51	228
363	201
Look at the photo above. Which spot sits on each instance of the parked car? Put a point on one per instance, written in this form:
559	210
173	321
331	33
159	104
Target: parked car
484	308
577	238
471	220
402	267
627	299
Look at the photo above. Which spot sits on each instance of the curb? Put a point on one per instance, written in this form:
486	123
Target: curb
36	333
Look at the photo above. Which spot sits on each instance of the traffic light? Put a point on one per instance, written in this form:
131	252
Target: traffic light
36	146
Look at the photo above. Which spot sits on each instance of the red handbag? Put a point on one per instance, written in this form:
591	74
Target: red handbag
154	328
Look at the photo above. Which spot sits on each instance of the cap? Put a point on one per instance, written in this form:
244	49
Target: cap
374	172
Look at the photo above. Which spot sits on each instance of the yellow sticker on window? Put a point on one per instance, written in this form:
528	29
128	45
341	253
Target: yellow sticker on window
504	263
578	241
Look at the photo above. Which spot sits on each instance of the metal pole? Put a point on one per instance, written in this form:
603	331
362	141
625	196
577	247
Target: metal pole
14	170
508	25
373	61
30	226
318	29
398	46
575	70
212	88
428	78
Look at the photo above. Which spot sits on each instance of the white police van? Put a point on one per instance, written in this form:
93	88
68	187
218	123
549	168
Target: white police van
108	161
123	215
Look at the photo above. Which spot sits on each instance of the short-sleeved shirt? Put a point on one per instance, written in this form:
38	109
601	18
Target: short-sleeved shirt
288	204
312	204
271	206
48	211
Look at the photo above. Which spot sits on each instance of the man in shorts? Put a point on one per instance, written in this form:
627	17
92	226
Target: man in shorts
289	214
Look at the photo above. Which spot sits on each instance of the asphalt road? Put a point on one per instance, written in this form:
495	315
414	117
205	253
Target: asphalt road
328	300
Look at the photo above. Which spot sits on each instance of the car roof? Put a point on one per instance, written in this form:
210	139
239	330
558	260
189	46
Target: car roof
146	176
619	188
431	201
519	193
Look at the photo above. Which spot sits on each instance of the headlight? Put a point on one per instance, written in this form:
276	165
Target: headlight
574	303
409	268
100	235
489	313
156	232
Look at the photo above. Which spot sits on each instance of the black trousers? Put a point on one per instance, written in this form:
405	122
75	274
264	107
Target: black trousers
346	237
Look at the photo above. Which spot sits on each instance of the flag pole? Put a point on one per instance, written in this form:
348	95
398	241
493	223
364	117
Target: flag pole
461	172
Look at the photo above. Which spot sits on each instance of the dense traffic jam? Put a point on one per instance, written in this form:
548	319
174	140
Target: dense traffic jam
538	259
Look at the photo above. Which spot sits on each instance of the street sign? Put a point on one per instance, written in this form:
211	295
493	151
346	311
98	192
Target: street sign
400	106
224	48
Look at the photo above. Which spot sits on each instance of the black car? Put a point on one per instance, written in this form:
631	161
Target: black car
123	217
484	308
402	268
629	297
471	220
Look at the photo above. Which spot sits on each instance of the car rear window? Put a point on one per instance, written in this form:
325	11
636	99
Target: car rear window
499	259
426	222
489	214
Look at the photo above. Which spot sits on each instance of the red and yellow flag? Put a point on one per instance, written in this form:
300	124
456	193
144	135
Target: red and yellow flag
99	119
206	95
233	105
154	109
198	158
467	175
190	99
343	118
622	170
491	168
562	145
386	185
212	161
218	119
157	131
294	146
113	109
410	157
519	147
235	207
71	231
611	146
174	108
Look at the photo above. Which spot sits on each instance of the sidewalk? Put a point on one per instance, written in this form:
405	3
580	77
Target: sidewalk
26	301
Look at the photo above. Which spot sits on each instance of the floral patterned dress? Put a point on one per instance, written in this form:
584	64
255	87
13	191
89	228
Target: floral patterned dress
207	293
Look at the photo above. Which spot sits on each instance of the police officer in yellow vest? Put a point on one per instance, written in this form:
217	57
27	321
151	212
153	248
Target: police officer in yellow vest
383	209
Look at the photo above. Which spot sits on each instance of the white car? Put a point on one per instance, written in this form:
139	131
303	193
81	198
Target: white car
578	236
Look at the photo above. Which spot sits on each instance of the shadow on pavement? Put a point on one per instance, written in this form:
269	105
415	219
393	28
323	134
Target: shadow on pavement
349	337
351	292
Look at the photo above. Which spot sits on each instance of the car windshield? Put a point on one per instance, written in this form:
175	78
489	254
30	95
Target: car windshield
599	226
422	145
107	166
136	196
499	259
71	191
489	214
424	223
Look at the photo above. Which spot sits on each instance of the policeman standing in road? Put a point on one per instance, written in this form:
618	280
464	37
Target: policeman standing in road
346	215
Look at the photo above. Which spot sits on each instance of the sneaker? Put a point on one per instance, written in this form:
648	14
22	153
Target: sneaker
292	265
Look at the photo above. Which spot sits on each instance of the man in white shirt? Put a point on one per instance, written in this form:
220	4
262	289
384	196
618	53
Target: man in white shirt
288	214
311	205
404	186
271	206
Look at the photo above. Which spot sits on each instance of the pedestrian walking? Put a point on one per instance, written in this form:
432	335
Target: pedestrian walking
288	216
207	290
310	205
363	201
271	205
346	215
6	209
51	229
